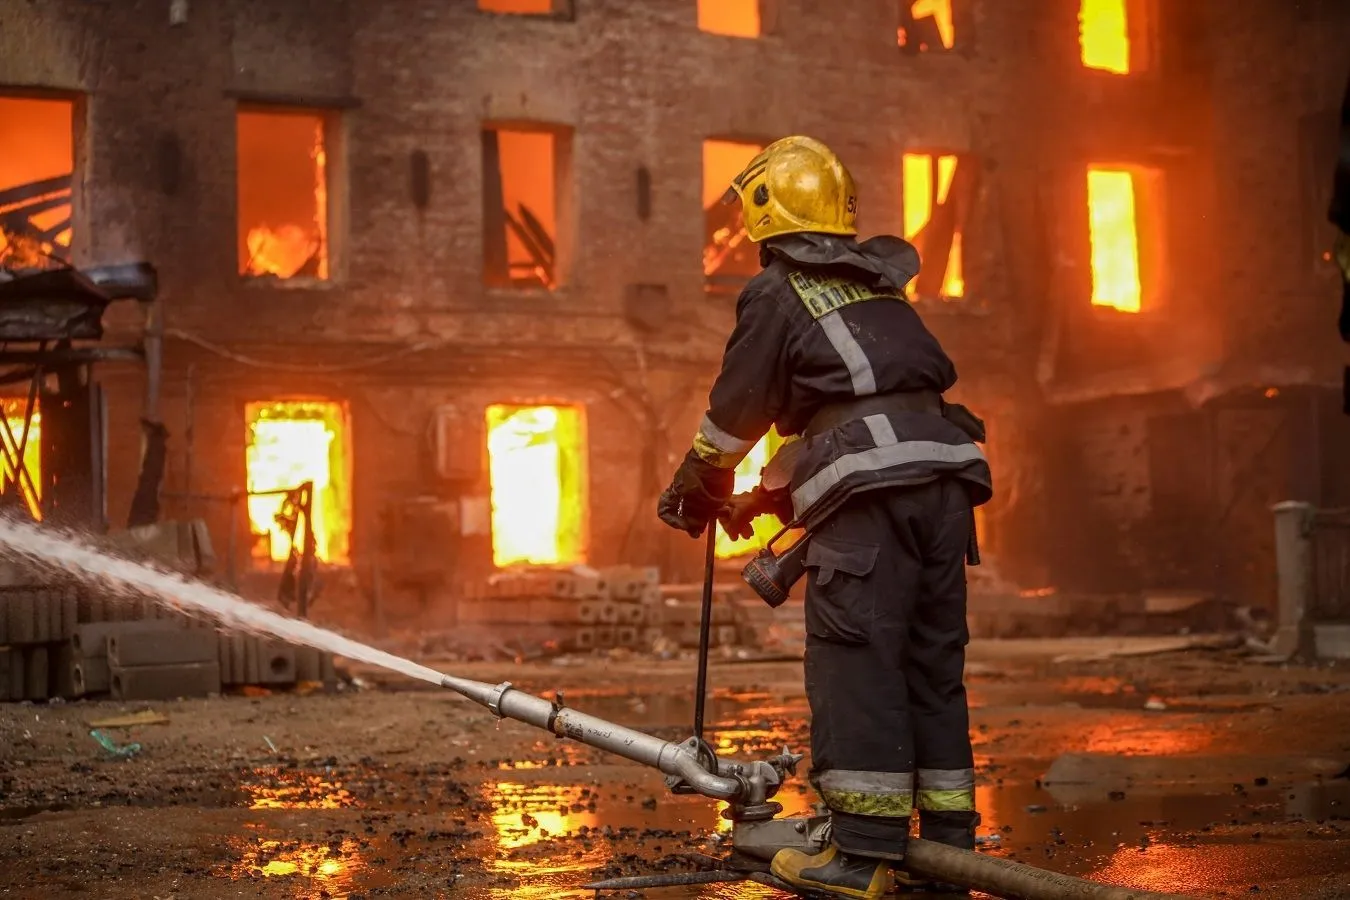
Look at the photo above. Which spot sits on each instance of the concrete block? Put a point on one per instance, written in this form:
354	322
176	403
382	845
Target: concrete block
165	682
169	646
604	637
37	674
633	614
609	613
1331	641
588	611
91	640
8	656
19	611
51	599
276	663
223	657
70	612
252	672
626	636
308	666
91	676
238	658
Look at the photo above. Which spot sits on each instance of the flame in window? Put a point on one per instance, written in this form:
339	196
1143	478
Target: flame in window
747	476
1115	239
283	195
918	199
1104	35
537	482
735	18
30	491
940	12
289	443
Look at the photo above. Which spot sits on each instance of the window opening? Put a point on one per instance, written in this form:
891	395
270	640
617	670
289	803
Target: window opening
1104	34
520	203
926	25
37	160
282	184
291	444
730	258
536	470
734	18
937	191
1113	229
27	484
748	474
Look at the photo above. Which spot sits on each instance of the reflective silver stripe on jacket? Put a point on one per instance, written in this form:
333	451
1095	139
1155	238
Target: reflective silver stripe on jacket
848	348
724	442
876	459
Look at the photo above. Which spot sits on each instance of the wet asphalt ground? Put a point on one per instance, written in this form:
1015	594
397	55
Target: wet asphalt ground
1201	773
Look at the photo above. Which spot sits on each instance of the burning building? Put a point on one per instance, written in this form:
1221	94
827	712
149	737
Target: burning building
460	267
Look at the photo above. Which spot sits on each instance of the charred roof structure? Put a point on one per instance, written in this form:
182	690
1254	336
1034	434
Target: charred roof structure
489	278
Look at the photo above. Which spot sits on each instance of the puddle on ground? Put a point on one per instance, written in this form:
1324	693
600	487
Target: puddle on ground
271	788
542	827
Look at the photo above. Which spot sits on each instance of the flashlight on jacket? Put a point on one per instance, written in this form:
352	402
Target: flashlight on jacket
772	575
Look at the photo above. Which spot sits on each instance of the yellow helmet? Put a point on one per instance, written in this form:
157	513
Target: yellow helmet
795	184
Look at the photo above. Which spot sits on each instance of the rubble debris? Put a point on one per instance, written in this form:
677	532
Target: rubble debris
131	720
125	751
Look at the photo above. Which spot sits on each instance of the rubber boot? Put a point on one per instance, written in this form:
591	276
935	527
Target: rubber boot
833	872
955	828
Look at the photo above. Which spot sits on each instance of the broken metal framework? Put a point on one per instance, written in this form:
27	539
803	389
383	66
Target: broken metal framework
26	241
50	323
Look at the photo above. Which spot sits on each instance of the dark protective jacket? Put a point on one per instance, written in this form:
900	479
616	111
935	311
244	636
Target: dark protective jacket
1339	213
826	321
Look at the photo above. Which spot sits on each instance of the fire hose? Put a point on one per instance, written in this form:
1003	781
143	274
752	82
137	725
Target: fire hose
691	767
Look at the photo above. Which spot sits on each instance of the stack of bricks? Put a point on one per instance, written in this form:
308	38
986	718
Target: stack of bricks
580	610
69	642
674	613
619	606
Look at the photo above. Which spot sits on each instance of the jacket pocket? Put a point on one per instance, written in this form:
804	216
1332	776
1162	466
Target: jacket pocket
839	596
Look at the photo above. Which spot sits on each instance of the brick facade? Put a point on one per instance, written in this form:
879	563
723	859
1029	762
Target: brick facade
639	85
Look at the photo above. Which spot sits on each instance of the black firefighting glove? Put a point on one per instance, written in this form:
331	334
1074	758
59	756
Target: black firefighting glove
742	509
696	493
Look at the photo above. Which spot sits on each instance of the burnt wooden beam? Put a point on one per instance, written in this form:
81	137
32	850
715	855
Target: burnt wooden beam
495	260
24	193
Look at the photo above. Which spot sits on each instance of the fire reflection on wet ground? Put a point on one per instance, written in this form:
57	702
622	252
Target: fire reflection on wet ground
270	788
545	822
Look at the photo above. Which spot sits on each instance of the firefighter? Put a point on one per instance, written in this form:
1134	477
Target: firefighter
884	475
1339	215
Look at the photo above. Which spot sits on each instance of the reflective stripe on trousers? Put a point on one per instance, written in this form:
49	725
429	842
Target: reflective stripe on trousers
884	794
946	790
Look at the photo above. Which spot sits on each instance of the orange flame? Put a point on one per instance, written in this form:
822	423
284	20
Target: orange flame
735	18
285	227
1104	35
917	178
747	476
290	443
537	483
32	456
1115	239
941	13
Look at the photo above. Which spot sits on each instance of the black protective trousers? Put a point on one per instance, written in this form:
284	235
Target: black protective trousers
885	656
